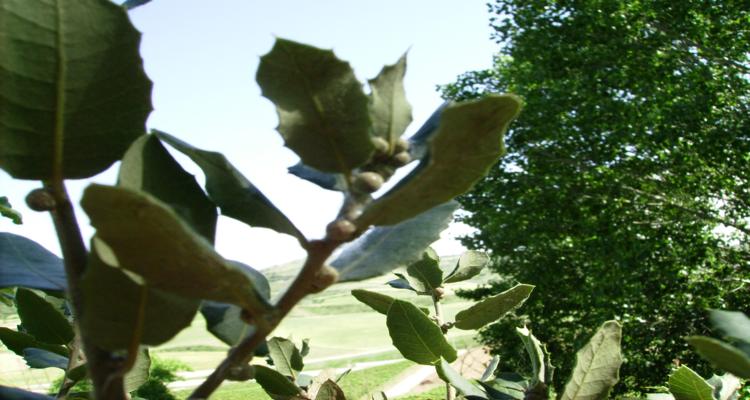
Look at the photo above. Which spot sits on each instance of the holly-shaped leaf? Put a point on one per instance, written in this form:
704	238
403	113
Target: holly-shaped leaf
469	265
535	351
28	264
491	309
597	365
74	92
416	336
467	143
41	319
686	384
389	110
323	111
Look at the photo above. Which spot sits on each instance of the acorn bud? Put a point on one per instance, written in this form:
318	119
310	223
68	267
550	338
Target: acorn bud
40	200
368	182
401	159
438	293
381	146
326	277
401	146
341	230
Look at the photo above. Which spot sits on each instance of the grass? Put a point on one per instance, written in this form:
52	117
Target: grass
433	394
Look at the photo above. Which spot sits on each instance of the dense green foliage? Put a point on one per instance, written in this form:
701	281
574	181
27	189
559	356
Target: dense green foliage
632	149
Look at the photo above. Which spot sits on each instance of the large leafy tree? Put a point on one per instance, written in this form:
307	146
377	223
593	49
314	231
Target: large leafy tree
626	189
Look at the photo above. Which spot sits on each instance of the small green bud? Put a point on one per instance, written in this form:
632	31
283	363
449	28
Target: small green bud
341	230
381	146
41	200
401	146
368	182
326	277
401	159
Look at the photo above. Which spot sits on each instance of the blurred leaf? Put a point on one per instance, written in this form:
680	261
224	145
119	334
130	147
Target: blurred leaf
113	307
490	309
722	355
25	263
141	230
7	211
500	389
489	372
383	249
41	319
377	301
427	271
225	322
323	112
275	384
78	373
419	142
74	91
469	265
138	375
236	196
305	350
536	355
325	180
17	342
597	365
286	356
725	386
390	112
732	324
462	385
9	393
131	4
329	390
416	336
38	358
685	384
401	283
468	142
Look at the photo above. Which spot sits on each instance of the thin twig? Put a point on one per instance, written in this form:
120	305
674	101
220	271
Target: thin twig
450	392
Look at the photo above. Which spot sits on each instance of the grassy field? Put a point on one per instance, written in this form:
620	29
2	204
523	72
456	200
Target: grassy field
341	330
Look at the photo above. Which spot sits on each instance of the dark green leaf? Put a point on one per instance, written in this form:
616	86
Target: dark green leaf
385	248
113	305
278	386
492	308
597	365
685	384
286	356
389	110
469	265
236	196
7	211
141	230
38	358
78	373
377	301
26	263
17	342
74	94
329	390
41	319
9	393
468	142
427	271
147	166
326	180
462	385
323	112
416	336
138	375
732	324
722	355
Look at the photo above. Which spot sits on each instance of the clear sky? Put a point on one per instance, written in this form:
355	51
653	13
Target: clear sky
202	57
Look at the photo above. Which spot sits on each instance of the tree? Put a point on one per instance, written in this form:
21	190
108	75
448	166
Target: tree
626	189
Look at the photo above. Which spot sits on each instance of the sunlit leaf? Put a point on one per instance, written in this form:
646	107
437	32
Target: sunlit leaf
732	324
416	336
377	301
426	272
72	87
491	309
686	384
389	110
138	375
469	265
286	356
597	365
722	355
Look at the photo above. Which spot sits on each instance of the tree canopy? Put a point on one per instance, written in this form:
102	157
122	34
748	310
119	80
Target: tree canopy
626	189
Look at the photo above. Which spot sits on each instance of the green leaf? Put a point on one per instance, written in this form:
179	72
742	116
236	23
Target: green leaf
113	305
536	355
416	336
389	110
377	301
384	249
17	342
492	308
732	324
278	386
225	322
38	358
323	112
462	385
489	372
469	265
138	375
148	166
427	271
235	195
468	142
597	365
286	356
141	230
7	211
329	390
73	91
685	384
725	386
26	263
722	355
41	319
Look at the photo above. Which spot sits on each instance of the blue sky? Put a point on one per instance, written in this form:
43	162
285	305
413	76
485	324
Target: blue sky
202	56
